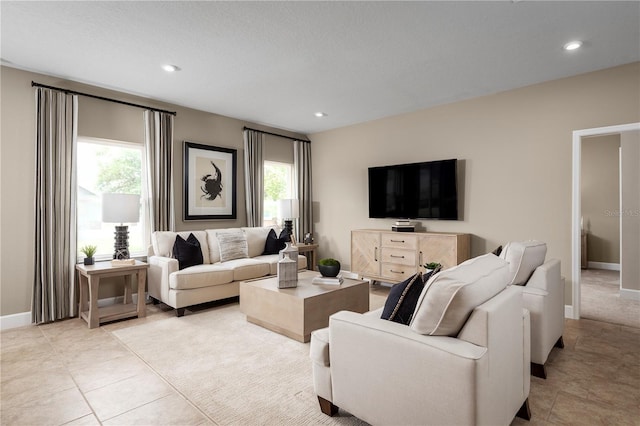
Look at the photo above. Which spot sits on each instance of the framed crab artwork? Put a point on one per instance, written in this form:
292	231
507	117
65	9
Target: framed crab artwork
209	182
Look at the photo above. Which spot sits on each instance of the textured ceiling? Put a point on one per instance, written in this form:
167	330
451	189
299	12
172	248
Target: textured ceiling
276	63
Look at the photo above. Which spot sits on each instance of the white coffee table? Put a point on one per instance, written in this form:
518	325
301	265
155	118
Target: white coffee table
296	312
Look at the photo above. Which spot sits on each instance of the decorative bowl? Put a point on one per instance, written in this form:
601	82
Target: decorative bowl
329	270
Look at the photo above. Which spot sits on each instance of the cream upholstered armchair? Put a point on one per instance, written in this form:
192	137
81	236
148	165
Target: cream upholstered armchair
542	289
465	361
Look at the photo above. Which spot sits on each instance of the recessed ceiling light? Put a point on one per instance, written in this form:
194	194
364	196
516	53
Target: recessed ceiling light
573	45
320	114
170	68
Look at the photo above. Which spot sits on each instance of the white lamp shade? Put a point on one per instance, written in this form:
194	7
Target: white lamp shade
120	208
288	208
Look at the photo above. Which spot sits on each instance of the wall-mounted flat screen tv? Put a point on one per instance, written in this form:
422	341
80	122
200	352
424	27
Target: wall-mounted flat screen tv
414	191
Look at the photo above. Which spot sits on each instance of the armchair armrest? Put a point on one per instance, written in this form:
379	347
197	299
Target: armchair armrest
158	276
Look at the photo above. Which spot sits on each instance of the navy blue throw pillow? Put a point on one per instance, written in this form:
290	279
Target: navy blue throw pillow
403	299
274	244
188	252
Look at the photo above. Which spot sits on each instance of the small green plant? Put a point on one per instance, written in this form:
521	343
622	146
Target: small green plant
432	265
328	262
89	250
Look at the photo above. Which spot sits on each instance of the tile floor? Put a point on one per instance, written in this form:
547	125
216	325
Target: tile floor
66	374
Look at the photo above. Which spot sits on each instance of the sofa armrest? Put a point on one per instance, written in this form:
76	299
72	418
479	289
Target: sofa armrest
158	276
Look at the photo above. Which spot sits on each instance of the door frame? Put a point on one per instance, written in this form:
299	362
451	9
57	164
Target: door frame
573	311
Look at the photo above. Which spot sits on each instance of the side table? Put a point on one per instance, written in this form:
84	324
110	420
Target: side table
90	276
309	250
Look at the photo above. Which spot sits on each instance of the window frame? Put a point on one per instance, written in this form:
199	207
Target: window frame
289	192
144	197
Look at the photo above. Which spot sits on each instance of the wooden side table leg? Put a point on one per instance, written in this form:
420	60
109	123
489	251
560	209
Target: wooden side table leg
84	290
142	279
94	316
127	289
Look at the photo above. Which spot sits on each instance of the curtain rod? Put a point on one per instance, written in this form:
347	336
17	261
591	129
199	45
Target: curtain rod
275	134
102	98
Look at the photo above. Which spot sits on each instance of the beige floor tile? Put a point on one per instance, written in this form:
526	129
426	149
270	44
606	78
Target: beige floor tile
24	388
17	337
100	374
170	410
21	362
572	410
55	409
118	398
91	352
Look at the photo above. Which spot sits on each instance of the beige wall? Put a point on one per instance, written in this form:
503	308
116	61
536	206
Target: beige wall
517	151
600	196
97	119
630	212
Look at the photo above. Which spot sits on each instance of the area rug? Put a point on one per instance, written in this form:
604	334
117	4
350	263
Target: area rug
235	372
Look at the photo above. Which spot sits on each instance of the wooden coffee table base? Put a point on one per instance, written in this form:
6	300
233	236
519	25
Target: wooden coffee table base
296	312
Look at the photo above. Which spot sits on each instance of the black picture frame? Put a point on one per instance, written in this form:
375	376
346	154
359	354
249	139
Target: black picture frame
209	182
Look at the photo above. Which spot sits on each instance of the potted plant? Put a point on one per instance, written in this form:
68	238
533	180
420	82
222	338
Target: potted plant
432	266
329	267
88	251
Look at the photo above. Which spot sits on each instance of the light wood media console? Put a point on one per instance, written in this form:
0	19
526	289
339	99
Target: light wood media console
392	257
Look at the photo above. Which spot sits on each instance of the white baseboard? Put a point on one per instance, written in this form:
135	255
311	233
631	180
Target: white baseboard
15	320
604	265
568	311
625	293
24	318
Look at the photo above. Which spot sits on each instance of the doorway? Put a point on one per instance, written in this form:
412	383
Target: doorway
574	310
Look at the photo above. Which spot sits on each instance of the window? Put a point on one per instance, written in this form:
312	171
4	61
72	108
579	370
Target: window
108	167
278	184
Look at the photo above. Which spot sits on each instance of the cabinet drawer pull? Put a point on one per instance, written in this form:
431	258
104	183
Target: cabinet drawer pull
375	254
399	257
397	241
397	272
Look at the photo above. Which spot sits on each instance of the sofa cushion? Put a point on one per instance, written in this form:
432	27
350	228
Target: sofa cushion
187	251
402	300
233	245
272	260
256	237
163	241
449	297
523	258
246	269
273	244
200	276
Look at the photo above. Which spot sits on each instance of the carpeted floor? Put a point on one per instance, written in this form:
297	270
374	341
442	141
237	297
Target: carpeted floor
600	299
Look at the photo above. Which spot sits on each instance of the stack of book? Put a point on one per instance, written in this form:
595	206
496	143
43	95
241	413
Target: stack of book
327	280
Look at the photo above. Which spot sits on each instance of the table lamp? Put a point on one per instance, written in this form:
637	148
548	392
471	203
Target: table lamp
121	208
288	211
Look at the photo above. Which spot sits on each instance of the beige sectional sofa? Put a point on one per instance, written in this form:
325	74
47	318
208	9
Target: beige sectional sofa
213	279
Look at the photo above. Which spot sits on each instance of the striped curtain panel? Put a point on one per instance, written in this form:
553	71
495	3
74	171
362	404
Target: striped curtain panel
253	176
302	183
158	136
54	289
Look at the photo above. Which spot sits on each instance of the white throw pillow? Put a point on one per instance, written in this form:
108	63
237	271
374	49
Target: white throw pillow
523	258
233	245
449	297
